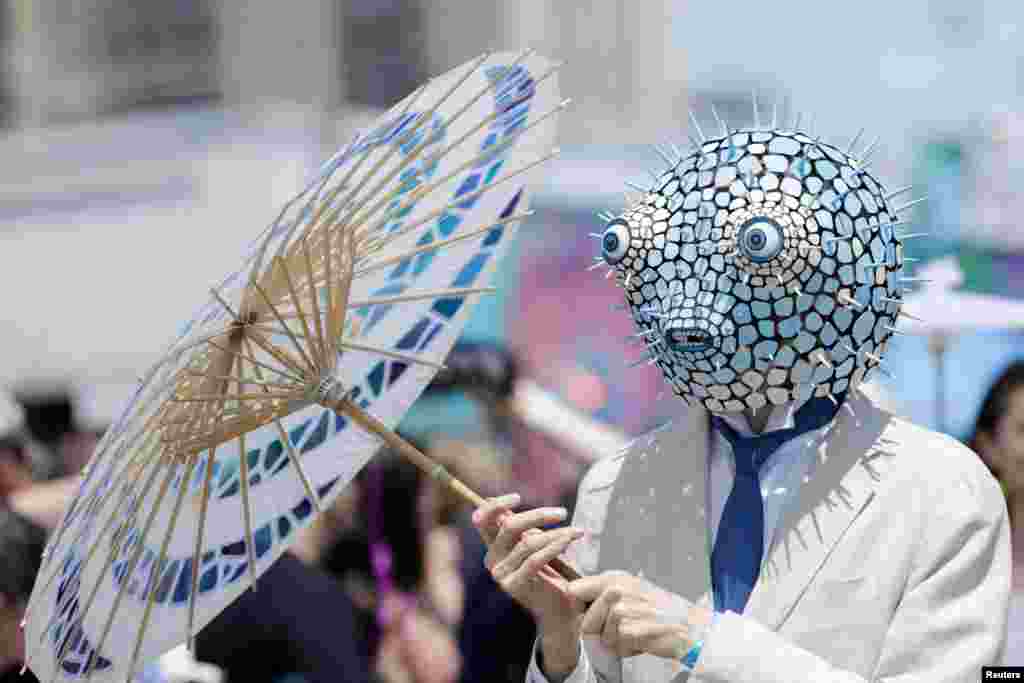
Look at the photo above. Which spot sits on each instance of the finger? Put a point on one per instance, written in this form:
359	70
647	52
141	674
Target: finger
485	517
663	640
589	588
530	543
530	568
610	635
514	525
597	613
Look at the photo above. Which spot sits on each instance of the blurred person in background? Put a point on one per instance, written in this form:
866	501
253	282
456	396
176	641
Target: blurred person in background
400	563
299	625
94	407
21	550
15	465
999	440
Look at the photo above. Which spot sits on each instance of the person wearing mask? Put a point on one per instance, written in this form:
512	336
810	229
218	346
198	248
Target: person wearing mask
783	528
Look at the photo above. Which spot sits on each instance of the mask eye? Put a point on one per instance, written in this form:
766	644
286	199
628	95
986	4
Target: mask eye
615	241
760	240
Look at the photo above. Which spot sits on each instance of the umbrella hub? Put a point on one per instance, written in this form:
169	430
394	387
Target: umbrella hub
328	391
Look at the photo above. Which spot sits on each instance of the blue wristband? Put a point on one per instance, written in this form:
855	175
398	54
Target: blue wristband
689	660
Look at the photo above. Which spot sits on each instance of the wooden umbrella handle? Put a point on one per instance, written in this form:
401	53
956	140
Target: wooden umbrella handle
436	470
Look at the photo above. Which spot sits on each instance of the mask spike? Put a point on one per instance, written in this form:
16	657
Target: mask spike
595	266
837	238
757	114
618	307
796	126
846	299
913	235
810	125
775	112
678	152
696	127
910	204
897	193
637	188
853	142
721	121
870	149
915	279
664	157
895	331
907	315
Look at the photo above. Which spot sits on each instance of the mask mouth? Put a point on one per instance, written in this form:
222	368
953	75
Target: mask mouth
688	339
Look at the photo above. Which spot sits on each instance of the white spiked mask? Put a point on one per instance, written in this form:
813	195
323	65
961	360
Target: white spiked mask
762	268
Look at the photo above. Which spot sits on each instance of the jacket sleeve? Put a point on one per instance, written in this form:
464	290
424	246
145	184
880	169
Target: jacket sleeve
950	622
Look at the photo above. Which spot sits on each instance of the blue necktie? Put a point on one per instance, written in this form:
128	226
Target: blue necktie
739	543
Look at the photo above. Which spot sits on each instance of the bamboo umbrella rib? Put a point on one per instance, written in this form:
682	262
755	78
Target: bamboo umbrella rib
416	195
419	296
342	184
423	118
243	457
330	358
86	493
391	354
418	150
278	353
197	552
224	398
154	577
442	243
118	540
405	135
454	117
316	305
297	464
437	213
224	304
345	289
458	141
258	263
122	494
132	462
214	413
277	385
287	330
293	295
272	369
133	563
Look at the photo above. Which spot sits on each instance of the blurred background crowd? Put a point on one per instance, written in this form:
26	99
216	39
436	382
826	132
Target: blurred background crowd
145	142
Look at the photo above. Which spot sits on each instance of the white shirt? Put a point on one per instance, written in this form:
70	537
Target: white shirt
781	476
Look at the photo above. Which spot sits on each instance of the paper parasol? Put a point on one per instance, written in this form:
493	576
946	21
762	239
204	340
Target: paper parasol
340	316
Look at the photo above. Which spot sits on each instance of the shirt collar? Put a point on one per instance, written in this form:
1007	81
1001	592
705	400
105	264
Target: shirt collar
781	417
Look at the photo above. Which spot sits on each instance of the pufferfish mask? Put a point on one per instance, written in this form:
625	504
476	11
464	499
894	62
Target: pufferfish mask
762	268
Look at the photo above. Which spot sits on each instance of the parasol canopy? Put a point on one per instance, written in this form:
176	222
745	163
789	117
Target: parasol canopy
342	312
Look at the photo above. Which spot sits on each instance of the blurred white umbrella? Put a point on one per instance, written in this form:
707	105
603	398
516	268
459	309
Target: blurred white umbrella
940	311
